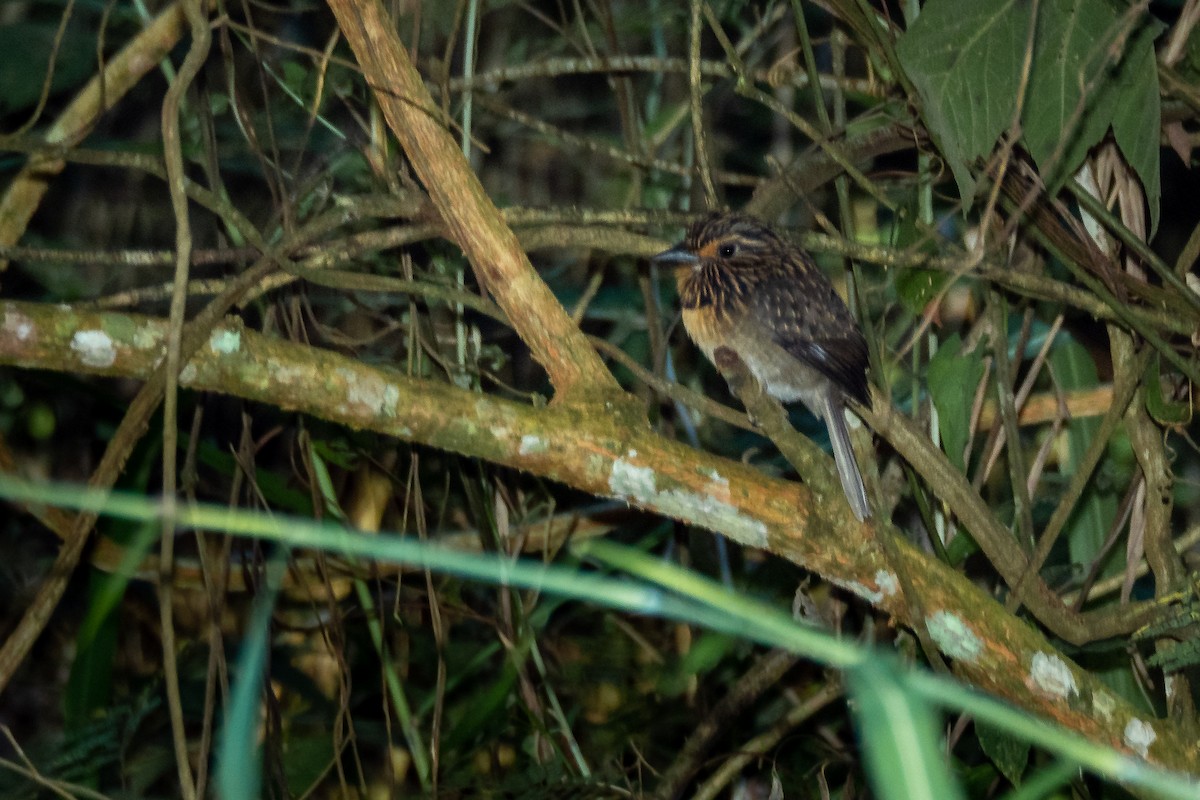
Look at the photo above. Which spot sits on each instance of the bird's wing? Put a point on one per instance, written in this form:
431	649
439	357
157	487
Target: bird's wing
810	322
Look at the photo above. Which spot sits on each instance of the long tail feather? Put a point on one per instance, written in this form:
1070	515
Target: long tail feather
843	455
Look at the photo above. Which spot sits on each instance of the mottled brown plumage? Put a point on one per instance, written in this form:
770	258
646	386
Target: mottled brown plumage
744	288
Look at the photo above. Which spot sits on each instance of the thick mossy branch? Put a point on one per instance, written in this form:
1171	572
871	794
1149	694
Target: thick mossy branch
594	450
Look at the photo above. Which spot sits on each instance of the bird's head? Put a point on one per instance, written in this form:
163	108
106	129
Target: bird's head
723	242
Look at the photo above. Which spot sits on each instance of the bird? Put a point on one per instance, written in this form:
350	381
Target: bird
744	287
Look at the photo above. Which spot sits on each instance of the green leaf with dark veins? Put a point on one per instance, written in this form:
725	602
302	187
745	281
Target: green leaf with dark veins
965	61
1092	69
1136	113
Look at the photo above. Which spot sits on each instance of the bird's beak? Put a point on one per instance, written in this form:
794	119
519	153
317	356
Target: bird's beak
677	255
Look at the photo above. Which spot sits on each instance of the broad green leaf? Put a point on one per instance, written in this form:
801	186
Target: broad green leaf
274	486
1136	114
952	382
305	760
965	61
1088	526
488	707
89	686
1092	69
1078	89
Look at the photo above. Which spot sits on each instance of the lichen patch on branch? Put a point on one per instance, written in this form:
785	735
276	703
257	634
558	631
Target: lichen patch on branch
639	485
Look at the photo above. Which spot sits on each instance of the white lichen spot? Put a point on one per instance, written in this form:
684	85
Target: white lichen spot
187	375
640	485
716	477
284	373
632	453
495	413
391	399
1050	675
532	445
1171	687
953	636
887	583
715	514
364	390
95	348
502	421
631	481
1104	704
1139	736
18	325
717	487
147	338
224	342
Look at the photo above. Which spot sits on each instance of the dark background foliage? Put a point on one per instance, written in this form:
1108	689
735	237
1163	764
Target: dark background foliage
581	127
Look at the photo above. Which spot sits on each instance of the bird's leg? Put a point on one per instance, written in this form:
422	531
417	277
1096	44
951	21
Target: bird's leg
769	415
737	375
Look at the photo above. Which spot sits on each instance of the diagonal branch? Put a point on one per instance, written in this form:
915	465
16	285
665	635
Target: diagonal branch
472	221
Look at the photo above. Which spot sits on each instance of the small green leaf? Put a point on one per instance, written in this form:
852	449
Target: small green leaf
1164	411
952	382
961	548
295	75
40	421
706	652
1007	752
1088	526
917	288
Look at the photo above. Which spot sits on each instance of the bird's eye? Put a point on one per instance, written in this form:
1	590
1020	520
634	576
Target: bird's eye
727	250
